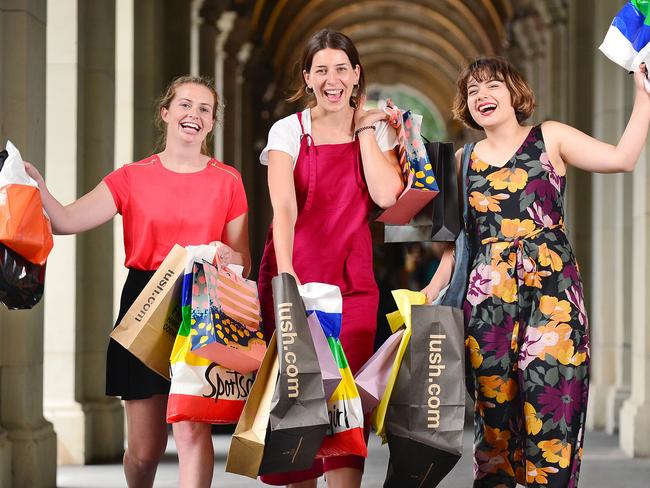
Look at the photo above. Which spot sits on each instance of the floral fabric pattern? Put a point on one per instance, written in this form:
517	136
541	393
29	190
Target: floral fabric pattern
527	339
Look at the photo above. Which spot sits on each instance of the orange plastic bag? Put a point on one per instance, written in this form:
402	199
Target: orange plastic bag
24	227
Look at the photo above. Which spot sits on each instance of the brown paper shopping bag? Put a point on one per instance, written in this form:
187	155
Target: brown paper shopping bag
149	328
247	443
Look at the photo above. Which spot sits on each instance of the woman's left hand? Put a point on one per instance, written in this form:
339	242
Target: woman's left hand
224	253
364	118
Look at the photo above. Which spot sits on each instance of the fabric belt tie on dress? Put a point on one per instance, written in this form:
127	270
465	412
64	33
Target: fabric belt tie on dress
523	247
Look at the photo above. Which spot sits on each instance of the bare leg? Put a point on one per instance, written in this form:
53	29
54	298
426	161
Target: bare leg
146	439
344	478
195	454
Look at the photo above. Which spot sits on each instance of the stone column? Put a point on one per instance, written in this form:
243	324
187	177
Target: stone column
148	73
224	28
580	67
533	62
607	244
104	416
635	414
257	117
237	52
124	122
27	440
195	35
620	390
79	312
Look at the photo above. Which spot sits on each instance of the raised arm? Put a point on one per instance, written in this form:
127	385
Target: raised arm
91	210
582	151
381	169
285	208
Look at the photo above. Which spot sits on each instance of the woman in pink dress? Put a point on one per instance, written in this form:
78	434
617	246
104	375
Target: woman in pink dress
328	166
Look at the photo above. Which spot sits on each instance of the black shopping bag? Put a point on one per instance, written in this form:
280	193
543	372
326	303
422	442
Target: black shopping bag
426	412
298	417
440	219
446	222
21	281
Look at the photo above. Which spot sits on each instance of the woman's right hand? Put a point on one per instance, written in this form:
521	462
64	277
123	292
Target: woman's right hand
292	272
34	174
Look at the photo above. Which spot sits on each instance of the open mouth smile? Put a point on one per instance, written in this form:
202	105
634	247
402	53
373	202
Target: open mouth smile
190	127
487	108
333	95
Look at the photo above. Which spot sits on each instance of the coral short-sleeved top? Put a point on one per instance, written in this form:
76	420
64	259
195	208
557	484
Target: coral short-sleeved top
161	208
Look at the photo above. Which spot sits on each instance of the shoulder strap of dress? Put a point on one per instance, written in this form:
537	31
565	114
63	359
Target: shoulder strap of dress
467	154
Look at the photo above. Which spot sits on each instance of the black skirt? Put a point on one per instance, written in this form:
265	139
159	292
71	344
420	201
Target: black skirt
126	376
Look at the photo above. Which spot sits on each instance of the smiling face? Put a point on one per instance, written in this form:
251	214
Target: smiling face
490	91
332	77
489	101
190	115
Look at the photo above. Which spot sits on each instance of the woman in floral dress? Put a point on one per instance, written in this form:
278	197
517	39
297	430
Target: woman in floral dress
527	334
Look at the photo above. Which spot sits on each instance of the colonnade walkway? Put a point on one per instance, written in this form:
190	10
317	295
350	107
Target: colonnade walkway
604	466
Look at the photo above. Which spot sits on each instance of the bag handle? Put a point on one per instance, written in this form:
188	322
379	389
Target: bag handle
467	153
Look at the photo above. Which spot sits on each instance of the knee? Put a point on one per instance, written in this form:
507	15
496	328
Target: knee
145	455
191	433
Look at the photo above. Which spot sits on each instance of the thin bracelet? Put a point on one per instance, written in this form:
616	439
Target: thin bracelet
361	129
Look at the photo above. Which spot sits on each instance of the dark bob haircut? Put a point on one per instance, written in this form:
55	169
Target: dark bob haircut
496	68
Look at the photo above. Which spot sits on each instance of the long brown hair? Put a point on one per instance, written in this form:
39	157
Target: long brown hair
166	100
324	39
496	68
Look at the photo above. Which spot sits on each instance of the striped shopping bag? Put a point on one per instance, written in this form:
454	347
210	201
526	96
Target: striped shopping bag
345	434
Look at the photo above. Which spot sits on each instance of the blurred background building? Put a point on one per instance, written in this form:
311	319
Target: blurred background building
78	83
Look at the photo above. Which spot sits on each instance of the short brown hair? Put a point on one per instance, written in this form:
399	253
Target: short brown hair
496	68
324	39
166	100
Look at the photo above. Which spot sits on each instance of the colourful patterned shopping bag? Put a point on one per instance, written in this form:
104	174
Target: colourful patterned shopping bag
201	390
215	334
345	434
420	185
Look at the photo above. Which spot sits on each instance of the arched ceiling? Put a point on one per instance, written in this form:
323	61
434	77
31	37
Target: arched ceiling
421	43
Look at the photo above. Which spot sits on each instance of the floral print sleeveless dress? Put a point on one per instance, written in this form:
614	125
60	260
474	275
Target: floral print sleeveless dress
527	337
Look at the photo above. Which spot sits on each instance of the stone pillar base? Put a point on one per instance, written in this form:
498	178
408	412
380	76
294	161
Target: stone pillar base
634	428
615	400
33	463
597	409
5	459
105	420
88	433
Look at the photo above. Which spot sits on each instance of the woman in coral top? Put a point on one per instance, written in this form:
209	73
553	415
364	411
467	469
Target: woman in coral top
180	195
328	165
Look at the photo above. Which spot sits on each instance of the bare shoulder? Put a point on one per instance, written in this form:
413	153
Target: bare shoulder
555	132
555	129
